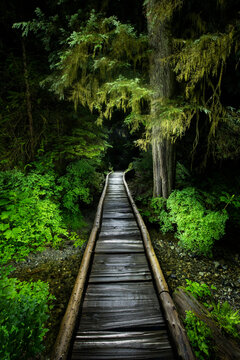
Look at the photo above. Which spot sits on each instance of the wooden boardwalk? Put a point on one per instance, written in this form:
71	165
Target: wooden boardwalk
120	316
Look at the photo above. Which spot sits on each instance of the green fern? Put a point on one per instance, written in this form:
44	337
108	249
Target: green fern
227	318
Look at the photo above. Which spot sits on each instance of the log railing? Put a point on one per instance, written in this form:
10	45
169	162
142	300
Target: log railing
67	326
175	326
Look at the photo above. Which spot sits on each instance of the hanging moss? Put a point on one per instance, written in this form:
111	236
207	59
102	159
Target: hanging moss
96	55
162	10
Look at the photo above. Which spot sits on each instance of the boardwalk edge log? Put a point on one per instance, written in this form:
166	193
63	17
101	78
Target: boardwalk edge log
224	347
175	326
62	344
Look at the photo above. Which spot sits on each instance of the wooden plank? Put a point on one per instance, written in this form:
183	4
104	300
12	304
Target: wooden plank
116	206
121	306
114	246
122	223
120	234
116	189
117	215
119	268
122	345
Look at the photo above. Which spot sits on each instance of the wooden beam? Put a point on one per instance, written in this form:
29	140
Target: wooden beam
67	326
175	325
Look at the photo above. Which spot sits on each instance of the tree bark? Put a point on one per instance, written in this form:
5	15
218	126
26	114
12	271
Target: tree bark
162	82
157	182
28	100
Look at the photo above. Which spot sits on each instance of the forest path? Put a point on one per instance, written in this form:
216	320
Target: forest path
121	316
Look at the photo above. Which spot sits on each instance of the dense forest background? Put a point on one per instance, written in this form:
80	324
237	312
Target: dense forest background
93	86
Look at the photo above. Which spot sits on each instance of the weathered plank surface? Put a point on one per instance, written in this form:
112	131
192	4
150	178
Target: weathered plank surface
120	317
123	345
119	268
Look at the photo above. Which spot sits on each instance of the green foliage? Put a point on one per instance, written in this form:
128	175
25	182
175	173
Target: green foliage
77	240
199	62
225	143
199	334
229	199
30	219
42	26
214	50
99	68
14	127
224	196
24	311
158	205
163	10
227	318
199	291
86	141
197	227
79	184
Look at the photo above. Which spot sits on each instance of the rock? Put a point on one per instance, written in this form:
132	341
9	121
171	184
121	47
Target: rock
216	264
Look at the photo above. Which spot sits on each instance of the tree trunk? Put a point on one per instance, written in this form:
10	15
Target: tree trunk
162	82
28	101
157	182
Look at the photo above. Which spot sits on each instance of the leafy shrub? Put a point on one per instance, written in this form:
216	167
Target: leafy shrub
79	184
199	335
77	240
227	318
199	291
160	215
197	228
29	218
232	204
24	311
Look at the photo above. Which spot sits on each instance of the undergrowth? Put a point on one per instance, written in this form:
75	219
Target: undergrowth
39	209
197	227
226	318
24	308
200	336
